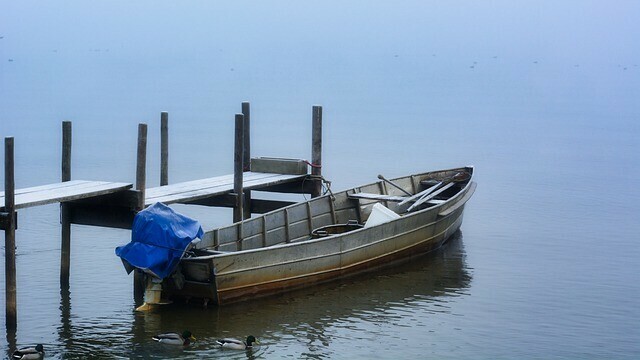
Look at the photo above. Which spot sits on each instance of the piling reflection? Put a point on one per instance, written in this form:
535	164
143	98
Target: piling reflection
312	319
64	330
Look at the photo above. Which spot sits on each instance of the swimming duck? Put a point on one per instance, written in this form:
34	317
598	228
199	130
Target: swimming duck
175	339
238	344
32	353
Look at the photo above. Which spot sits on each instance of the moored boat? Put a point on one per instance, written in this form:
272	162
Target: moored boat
328	237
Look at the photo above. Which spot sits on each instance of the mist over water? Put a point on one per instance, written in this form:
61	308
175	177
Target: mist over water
540	97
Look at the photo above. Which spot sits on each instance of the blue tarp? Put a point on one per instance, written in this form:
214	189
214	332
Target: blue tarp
159	238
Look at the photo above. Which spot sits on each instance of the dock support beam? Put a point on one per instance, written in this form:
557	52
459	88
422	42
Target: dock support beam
10	237
237	168
141	179
65	248
164	148
246	156
316	150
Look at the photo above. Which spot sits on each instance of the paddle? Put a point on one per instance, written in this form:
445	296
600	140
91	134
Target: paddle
404	204
428	197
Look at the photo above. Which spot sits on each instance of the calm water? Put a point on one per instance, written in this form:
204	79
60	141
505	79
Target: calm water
541	98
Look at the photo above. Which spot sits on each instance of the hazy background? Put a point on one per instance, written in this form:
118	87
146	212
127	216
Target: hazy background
542	97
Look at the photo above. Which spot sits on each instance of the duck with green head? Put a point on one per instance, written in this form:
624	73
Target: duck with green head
238	344
32	353
183	339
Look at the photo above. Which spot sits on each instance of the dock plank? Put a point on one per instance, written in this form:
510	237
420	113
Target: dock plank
201	193
195	184
175	193
203	188
64	191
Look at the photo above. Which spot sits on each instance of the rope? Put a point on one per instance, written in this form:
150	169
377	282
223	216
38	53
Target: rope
317	166
326	189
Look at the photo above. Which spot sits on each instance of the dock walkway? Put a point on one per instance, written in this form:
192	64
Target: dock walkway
191	191
61	192
183	192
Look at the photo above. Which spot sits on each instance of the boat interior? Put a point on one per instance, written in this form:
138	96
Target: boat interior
337	213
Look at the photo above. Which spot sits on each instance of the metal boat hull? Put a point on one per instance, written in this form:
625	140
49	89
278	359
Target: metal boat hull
246	274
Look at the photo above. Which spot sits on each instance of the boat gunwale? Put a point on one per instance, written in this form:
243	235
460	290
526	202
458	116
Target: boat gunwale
449	201
341	268
344	252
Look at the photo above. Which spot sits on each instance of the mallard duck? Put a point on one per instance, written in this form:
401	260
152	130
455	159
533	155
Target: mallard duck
175	339
32	353
238	344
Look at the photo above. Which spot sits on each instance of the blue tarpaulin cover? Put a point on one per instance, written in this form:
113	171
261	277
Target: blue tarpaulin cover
159	237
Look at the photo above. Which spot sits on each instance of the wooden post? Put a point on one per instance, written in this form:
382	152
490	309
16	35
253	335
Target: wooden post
316	150
65	233
141	178
141	164
66	151
164	148
10	236
237	168
246	157
12	340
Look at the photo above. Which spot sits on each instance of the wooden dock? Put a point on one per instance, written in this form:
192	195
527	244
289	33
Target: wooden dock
61	192
193	192
114	204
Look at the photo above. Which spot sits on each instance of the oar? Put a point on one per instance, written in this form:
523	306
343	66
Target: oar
420	194
430	196
394	185
404	204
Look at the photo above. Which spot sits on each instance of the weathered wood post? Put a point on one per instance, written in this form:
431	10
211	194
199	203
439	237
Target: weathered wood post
141	179
316	150
65	249
246	157
237	167
66	151
12	340
141	165
10	236
164	148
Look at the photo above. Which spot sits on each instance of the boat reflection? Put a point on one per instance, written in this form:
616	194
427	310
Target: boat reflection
308	316
385	296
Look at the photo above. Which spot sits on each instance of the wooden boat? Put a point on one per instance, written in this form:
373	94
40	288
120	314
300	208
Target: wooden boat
325	238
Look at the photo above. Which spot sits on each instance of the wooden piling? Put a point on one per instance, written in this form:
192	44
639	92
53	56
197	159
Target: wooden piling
141	165
12	340
10	236
164	148
237	168
246	157
141	178
316	150
65	223
66	151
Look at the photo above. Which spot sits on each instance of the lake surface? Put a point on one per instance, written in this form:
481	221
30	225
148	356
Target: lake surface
542	98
